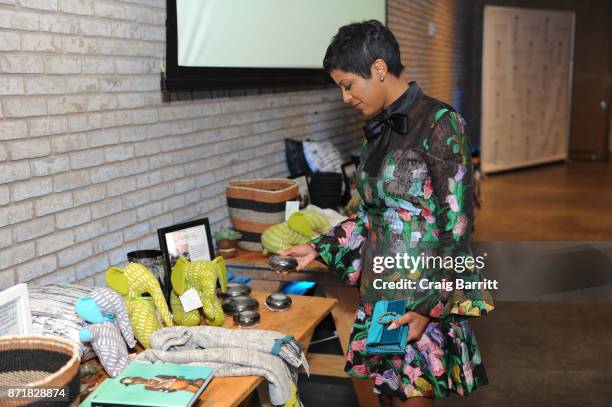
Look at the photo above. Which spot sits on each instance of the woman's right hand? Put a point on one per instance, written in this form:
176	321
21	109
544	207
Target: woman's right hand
303	253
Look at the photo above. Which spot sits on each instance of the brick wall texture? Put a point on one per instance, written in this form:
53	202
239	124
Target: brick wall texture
93	162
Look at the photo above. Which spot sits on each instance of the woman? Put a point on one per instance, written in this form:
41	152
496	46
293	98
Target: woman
414	179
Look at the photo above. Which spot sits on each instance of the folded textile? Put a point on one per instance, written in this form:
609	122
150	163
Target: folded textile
231	352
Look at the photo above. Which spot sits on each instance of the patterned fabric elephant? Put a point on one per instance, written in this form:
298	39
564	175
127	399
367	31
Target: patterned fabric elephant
201	275
133	281
109	328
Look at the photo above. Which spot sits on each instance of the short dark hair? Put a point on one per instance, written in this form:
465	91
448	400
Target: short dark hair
357	45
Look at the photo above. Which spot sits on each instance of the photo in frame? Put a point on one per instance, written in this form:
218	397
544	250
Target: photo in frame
348	172
15	315
191	240
303	180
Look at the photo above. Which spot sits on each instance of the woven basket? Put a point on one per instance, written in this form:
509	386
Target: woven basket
255	205
39	362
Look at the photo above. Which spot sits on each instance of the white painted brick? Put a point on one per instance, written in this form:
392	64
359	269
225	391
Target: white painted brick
128	31
132	133
69	142
17	254
119	256
80	45
32	188
34	228
13	129
148	179
11	85
44	126
120	186
74	254
62	65
134	166
54	242
84	7
119	153
122	220
134	199
106	173
10	172
89	230
174	202
19	20
48	5
144	116
107	242
102	102
116	118
147	243
144	213
57	23
159	129
34	148
71	180
66	104
11	214
34	42
45	85
24	106
105	208
91	267
6	237
63	276
135	232
109	10
172	173
129	65
4	195
73	217
184	185
148	147
103	137
7	279
139	14
161	221
49	165
53	203
93	65
9	41
82	85
87	195
3	153
86	158
130	100
36	268
115	84
21	64
94	28
162	191
84	122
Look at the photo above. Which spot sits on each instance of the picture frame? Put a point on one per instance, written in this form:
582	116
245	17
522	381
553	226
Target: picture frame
15	315
191	239
348	172
303	180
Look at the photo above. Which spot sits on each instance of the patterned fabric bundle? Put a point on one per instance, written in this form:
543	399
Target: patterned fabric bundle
255	205
299	229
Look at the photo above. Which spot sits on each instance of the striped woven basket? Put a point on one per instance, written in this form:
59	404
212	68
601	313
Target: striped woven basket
255	205
39	362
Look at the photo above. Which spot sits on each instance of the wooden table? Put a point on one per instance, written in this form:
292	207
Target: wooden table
300	321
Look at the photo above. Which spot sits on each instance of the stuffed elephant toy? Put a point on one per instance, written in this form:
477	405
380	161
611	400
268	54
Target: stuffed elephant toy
109	328
131	282
202	275
298	229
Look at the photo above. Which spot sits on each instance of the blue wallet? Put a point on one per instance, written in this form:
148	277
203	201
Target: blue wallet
382	340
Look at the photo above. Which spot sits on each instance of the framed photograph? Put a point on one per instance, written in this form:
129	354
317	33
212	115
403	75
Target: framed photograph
192	240
348	171
303	181
15	316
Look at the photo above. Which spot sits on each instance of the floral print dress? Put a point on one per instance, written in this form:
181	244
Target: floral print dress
414	179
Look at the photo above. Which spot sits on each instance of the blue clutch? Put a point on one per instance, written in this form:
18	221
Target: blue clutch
382	340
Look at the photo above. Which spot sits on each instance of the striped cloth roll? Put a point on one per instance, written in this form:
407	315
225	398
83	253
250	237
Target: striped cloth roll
255	205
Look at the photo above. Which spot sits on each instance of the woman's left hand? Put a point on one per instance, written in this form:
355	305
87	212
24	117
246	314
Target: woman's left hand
416	323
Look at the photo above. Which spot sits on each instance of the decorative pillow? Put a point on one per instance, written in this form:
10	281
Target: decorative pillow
322	156
294	153
53	313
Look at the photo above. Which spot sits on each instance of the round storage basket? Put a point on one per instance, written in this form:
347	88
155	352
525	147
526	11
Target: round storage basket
39	362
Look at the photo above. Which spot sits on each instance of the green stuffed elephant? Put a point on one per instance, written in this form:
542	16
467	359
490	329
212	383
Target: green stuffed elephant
298	229
201	275
131	282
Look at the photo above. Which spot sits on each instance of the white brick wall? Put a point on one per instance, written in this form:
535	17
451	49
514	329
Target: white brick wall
92	162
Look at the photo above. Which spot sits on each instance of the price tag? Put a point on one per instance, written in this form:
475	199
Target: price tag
291	207
190	300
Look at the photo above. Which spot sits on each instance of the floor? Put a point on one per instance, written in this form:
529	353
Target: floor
555	350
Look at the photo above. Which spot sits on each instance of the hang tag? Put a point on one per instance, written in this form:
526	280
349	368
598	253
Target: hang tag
190	300
290	208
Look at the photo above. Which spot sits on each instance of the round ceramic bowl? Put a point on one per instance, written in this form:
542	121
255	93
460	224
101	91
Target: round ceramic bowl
278	302
247	319
282	263
241	303
235	290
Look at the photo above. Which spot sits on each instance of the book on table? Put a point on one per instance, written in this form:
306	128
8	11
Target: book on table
163	384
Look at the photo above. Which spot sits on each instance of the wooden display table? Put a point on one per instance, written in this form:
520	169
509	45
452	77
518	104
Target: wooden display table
300	321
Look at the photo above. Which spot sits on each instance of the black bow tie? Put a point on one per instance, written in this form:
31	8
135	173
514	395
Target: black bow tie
377	145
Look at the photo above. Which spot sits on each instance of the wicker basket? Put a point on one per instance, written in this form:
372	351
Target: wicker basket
255	205
39	362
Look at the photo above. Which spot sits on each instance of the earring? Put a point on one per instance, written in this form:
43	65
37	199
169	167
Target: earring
382	78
